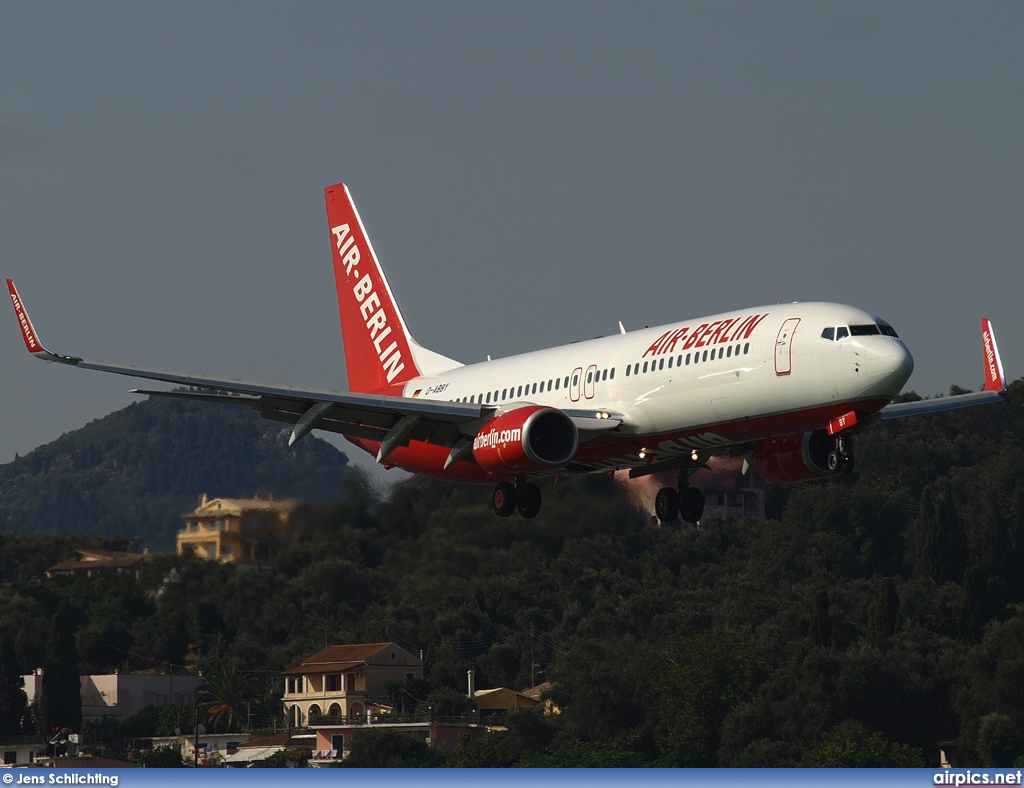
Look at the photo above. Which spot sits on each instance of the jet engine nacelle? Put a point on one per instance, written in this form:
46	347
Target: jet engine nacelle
800	457
531	438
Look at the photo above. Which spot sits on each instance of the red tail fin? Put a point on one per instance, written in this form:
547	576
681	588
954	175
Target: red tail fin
378	352
994	380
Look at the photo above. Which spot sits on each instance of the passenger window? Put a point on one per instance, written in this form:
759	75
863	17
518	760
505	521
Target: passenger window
504	393
705	358
549	385
590	376
679	360
645	367
728	352
841	333
557	381
534	388
612	376
687	359
604	375
488	396
519	391
829	333
670	359
629	368
566	381
746	348
575	380
661	364
636	368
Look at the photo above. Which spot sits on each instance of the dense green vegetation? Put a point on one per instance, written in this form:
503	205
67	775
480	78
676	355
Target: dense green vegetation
867	620
136	471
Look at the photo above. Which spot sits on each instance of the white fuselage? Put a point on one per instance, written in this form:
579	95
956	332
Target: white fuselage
738	376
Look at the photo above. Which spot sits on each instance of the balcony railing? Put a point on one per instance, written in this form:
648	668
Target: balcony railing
325	720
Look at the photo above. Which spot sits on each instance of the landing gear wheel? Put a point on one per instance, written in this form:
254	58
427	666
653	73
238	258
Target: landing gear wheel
504	499
666	504
691	505
848	463
529	500
834	462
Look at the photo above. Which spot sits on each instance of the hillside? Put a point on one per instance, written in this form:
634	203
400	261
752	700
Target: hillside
136	471
868	619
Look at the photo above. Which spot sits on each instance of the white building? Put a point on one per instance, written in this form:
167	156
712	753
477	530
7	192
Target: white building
124	694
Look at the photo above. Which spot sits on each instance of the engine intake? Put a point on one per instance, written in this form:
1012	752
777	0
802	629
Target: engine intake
526	439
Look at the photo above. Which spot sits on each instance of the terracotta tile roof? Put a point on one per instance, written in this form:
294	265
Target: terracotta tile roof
357	652
103	559
536	692
335	659
322	667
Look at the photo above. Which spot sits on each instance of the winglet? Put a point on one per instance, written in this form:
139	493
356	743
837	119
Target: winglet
994	380
28	331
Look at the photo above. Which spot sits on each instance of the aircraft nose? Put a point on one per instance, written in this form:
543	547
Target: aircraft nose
889	362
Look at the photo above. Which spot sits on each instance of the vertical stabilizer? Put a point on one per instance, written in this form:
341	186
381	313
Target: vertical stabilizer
380	354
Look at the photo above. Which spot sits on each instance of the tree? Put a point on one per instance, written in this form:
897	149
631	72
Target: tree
163	758
699	681
851	746
821	626
389	749
940	543
13	700
884	613
227	692
999	740
61	697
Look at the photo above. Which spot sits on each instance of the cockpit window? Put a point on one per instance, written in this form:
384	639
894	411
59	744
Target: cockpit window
841	333
865	330
888	330
829	334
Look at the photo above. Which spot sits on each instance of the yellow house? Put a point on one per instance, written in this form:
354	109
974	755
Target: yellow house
242	531
343	682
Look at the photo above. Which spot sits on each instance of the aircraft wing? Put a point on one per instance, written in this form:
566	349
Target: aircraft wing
995	383
390	420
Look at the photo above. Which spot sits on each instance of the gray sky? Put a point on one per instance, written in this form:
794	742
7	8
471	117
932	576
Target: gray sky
529	173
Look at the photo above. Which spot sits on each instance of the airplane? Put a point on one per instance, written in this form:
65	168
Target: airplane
786	387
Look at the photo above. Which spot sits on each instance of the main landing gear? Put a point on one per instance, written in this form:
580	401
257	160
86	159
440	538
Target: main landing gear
524	496
841	459
686	501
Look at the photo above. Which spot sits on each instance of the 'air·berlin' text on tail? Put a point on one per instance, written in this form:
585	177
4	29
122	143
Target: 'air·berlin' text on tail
380	354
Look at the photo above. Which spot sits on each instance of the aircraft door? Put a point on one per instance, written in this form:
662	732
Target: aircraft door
574	384
784	347
588	386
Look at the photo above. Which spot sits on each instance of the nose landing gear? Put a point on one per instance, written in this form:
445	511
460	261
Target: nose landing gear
841	459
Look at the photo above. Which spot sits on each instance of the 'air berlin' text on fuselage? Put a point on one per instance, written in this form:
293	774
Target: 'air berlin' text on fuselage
719	332
369	302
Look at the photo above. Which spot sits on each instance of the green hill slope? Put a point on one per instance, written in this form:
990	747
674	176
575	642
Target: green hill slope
136	471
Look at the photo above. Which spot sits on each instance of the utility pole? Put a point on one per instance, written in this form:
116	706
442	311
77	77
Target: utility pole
533	682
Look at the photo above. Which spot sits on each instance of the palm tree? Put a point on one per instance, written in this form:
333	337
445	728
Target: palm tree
226	692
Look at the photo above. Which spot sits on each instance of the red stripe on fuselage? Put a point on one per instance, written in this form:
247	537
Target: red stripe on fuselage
428	460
